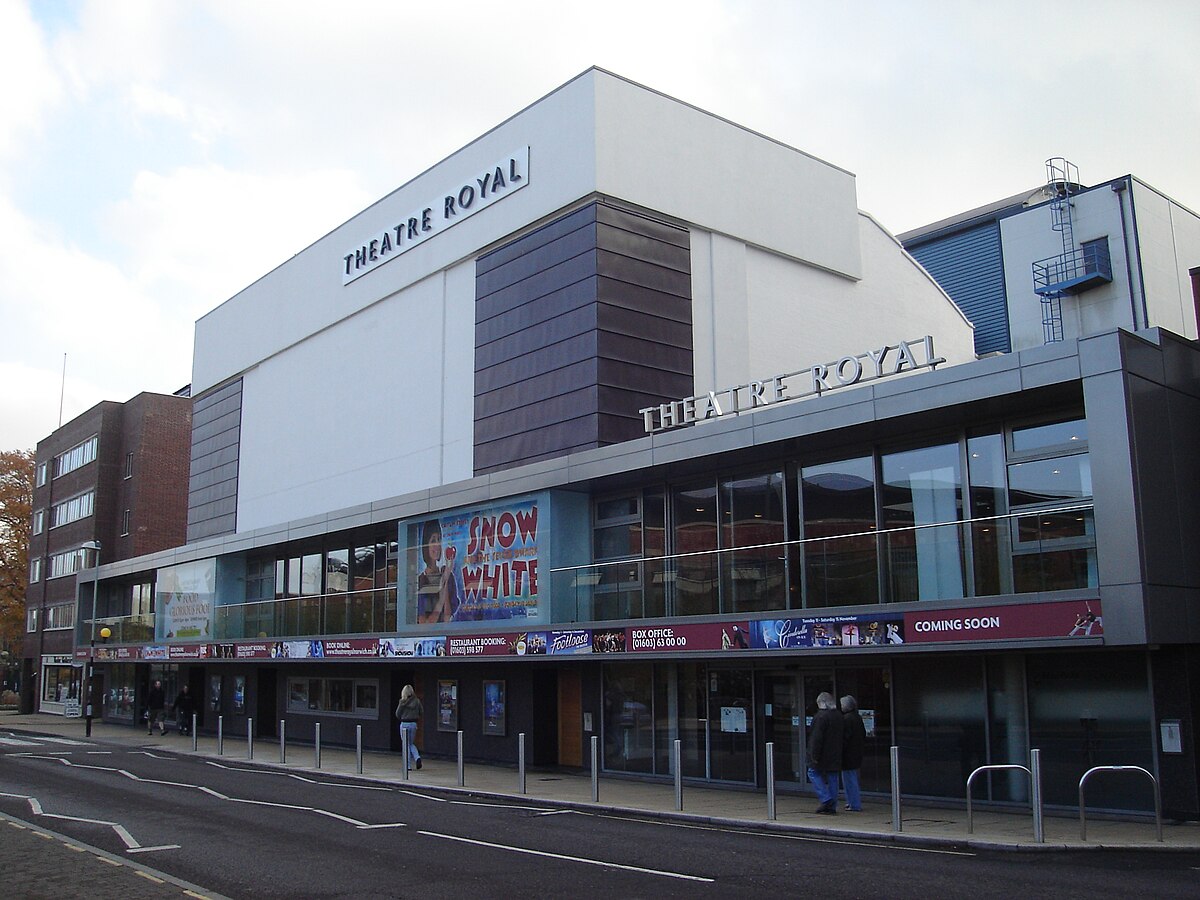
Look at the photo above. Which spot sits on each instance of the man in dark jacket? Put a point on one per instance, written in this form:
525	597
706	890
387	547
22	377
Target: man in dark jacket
854	743
825	752
156	708
185	706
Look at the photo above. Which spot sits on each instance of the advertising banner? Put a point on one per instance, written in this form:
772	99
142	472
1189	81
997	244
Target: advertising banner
185	601
427	646
1068	618
351	649
827	631
476	565
708	636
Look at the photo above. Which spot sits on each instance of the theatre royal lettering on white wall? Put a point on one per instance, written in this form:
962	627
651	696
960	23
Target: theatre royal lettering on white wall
456	203
870	365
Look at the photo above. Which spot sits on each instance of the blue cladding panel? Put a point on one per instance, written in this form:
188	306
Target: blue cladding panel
969	267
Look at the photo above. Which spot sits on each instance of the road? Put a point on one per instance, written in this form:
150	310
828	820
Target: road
247	832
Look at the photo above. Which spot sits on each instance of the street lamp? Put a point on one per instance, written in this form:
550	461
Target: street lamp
92	545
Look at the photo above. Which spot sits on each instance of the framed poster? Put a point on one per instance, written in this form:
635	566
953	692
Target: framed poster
239	693
214	693
494	709
447	717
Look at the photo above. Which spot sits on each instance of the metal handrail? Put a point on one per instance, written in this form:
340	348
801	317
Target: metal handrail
1092	771
1035	780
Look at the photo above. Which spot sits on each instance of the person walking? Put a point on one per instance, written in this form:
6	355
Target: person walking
825	752
409	711
185	706
854	744
156	708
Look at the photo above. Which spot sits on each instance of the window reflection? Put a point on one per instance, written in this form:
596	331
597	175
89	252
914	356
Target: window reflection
838	498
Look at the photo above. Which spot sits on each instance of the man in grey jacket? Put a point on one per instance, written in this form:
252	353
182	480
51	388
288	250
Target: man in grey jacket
825	753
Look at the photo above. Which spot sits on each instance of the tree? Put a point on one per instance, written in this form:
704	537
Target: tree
16	504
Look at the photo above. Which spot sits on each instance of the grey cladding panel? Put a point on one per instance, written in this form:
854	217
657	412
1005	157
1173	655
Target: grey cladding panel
216	436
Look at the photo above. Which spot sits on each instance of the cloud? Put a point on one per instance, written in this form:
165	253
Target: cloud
26	71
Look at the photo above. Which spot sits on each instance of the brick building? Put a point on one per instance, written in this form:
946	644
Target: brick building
117	476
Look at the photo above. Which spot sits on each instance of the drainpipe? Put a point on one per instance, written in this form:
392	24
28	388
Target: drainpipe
1119	188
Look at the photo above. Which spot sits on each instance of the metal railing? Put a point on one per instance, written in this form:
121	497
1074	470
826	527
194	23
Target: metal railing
1034	771
1092	771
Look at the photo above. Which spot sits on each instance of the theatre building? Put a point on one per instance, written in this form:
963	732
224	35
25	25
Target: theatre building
624	421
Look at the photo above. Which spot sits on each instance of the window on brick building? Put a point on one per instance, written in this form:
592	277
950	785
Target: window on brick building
125	523
129	464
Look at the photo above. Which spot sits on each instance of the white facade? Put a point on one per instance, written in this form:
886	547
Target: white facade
361	390
1149	245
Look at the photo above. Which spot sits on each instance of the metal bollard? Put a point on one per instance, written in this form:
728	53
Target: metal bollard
283	740
220	735
678	752
1035	772
194	732
249	739
358	746
897	822
317	745
462	771
521	763
770	748
595	769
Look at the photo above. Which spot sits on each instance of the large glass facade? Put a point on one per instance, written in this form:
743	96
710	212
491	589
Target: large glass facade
841	566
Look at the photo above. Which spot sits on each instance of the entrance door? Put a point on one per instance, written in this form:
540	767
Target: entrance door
783	717
731	724
267	706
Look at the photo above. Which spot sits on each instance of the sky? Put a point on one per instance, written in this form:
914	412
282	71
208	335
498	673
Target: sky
157	156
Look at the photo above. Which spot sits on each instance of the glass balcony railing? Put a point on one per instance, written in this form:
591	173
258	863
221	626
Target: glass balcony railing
1030	551
1034	550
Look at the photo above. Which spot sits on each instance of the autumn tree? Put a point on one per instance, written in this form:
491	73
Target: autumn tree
16	501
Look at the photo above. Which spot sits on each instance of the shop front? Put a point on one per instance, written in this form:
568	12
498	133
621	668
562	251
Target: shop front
62	685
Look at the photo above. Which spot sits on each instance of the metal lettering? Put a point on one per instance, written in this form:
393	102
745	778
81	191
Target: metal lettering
855	370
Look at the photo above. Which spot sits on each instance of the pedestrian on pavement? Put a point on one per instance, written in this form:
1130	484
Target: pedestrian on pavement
854	743
825	752
409	711
156	709
185	706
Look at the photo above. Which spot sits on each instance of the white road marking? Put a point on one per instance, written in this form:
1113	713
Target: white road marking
218	795
17	742
356	787
68	741
385	825
558	812
578	859
131	843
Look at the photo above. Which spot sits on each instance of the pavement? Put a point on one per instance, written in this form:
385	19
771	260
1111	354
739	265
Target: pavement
921	824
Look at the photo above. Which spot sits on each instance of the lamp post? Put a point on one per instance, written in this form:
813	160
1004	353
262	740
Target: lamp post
92	545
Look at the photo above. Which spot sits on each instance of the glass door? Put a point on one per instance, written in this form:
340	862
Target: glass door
731	724
783	713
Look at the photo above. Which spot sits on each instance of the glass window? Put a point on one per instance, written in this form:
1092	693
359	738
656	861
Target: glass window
345	696
129	465
1063	479
340	694
838	499
60	617
39	521
125	523
921	488
654	546
1070	434
752	517
41	474
35	570
31	620
72	510
695	532
989	534
78	456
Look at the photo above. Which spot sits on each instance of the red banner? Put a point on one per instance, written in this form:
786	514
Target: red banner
707	636
1068	618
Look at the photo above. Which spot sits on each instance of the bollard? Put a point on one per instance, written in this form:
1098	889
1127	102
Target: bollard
521	763
770	749
404	750
678	751
358	746
1035	773
193	732
283	741
595	769
897	822
250	739
462	771
317	745
220	735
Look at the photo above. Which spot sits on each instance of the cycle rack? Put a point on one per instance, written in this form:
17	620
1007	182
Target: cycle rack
1035	778
1093	771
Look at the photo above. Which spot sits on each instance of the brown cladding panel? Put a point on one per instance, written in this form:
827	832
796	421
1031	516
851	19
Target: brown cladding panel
574	337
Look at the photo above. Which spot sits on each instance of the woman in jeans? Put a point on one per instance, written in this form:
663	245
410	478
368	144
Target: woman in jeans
408	711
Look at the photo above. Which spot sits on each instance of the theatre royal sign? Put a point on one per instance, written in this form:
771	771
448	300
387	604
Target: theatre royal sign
870	365
457	202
